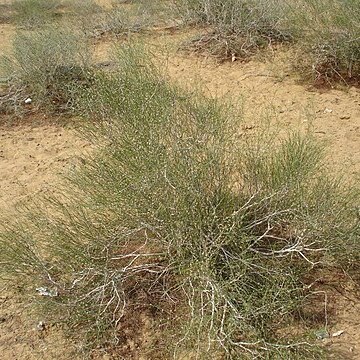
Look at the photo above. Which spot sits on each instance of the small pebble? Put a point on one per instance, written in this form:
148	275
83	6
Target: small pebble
40	326
338	333
322	334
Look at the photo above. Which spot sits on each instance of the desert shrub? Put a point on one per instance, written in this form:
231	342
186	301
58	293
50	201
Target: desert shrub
326	33
34	13
83	14
134	16
11	98
238	27
330	47
120	20
81	7
175	212
6	13
47	65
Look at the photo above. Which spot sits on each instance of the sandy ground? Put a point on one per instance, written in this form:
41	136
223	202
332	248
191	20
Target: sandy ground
33	156
31	161
333	116
266	88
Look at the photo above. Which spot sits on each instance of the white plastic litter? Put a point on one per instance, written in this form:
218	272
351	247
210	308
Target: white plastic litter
46	292
338	333
322	334
40	326
28	101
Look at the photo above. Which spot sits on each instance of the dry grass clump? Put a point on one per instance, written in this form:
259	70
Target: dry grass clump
81	7
238	28
31	14
46	65
6	13
330	45
121	18
325	33
83	14
178	218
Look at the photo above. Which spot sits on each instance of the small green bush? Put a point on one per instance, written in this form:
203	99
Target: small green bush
325	33
82	8
83	14
238	27
47	65
175	212
124	18
31	14
118	21
330	46
6	13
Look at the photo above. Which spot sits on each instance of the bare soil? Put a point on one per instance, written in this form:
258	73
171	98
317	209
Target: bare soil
34	153
31	160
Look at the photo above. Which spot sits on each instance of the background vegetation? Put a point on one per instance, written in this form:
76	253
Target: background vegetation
32	14
238	28
330	46
46	66
326	32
